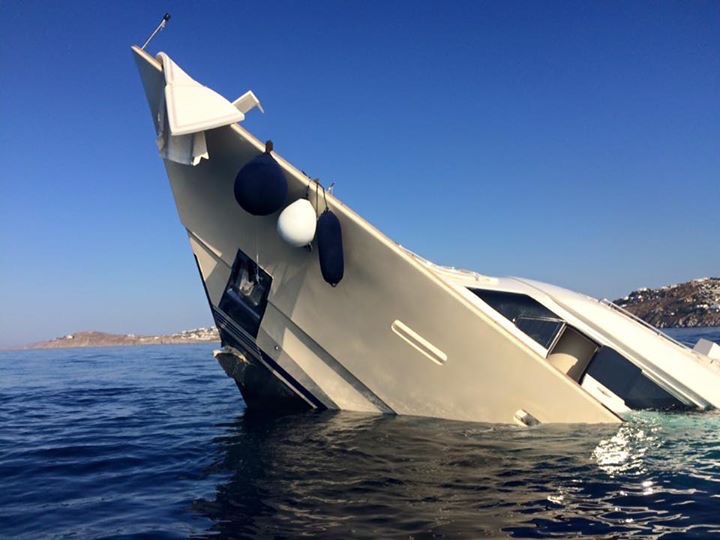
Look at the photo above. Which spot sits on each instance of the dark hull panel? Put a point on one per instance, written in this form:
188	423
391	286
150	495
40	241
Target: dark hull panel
258	386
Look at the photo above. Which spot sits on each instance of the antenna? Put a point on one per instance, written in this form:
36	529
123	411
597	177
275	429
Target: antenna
160	26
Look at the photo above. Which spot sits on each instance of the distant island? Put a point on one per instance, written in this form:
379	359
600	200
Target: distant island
685	305
104	339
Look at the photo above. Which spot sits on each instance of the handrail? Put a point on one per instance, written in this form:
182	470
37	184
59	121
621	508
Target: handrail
641	321
539	318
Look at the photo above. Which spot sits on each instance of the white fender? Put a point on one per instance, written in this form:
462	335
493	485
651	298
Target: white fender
296	224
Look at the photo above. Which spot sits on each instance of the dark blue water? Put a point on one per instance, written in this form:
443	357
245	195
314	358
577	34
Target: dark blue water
155	441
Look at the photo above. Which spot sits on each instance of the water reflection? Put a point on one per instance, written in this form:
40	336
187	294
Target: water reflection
625	452
334	474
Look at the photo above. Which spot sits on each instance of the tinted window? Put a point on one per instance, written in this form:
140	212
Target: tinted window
246	293
527	314
627	381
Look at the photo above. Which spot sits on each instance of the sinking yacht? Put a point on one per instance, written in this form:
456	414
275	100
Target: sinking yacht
317	308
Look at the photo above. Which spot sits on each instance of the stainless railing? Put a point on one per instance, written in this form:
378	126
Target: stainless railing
641	321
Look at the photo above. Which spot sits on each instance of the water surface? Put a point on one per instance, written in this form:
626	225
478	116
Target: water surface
156	441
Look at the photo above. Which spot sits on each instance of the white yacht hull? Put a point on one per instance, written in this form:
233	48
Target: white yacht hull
394	336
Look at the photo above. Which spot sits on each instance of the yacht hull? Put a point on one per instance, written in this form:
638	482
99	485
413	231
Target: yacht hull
391	337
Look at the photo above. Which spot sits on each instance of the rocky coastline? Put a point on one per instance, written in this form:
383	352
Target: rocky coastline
693	304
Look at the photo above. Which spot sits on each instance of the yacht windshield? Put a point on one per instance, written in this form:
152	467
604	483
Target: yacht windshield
529	315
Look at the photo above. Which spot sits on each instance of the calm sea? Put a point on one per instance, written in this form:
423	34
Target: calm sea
155	441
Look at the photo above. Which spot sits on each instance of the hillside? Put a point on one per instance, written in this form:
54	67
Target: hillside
103	339
685	305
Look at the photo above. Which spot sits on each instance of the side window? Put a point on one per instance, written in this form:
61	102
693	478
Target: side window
246	293
627	381
529	315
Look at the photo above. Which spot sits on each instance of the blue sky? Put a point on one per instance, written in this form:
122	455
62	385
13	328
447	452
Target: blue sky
575	143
